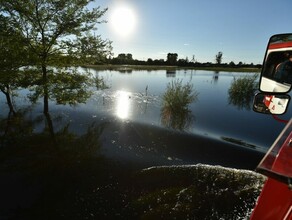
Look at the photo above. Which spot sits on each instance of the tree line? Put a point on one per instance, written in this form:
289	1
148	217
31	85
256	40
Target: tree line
172	60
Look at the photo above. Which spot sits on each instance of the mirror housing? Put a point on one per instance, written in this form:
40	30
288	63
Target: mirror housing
268	103
276	74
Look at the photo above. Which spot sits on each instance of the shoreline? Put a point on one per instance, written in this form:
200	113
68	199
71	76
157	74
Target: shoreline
154	67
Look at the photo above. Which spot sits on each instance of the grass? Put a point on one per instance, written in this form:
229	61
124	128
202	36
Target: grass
175	111
241	91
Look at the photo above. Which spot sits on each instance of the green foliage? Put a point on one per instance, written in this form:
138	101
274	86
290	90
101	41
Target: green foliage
172	58
241	91
64	87
218	57
178	96
89	49
13	53
69	88
45	34
175	111
50	26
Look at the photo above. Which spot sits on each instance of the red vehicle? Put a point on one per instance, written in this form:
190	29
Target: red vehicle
275	201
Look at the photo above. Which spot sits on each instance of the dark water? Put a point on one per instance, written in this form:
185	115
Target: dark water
214	114
84	150
129	111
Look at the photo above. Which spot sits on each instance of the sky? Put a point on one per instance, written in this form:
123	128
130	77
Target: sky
194	28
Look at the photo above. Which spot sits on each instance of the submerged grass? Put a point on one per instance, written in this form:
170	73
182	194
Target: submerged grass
241	91
175	111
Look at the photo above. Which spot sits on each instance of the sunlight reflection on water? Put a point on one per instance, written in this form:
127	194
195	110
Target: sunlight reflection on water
123	104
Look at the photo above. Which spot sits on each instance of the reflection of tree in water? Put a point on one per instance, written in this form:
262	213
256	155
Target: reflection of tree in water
175	111
14	128
215	77
65	88
19	133
44	151
241	91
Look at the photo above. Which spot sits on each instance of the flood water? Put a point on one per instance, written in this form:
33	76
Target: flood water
129	110
214	113
71	148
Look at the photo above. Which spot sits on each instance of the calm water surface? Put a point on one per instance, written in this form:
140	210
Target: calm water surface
81	158
213	113
129	111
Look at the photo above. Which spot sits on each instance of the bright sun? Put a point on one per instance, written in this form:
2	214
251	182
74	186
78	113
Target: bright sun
123	20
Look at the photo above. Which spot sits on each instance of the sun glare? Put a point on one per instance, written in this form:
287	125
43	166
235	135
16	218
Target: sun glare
123	104
123	20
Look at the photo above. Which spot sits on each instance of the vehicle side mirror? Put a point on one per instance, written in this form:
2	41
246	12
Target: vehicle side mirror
276	74
270	103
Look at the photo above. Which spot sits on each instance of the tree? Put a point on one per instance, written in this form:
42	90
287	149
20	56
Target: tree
171	58
54	31
129	56
232	64
13	55
89	49
149	61
123	58
219	57
193	60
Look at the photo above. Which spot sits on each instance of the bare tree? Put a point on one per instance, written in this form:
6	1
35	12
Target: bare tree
218	58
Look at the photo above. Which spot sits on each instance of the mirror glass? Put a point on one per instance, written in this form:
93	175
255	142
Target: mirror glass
271	104
276	73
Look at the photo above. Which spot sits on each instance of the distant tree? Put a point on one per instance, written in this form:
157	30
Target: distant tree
171	58
219	57
183	62
121	56
149	61
159	62
129	56
193	60
231	63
